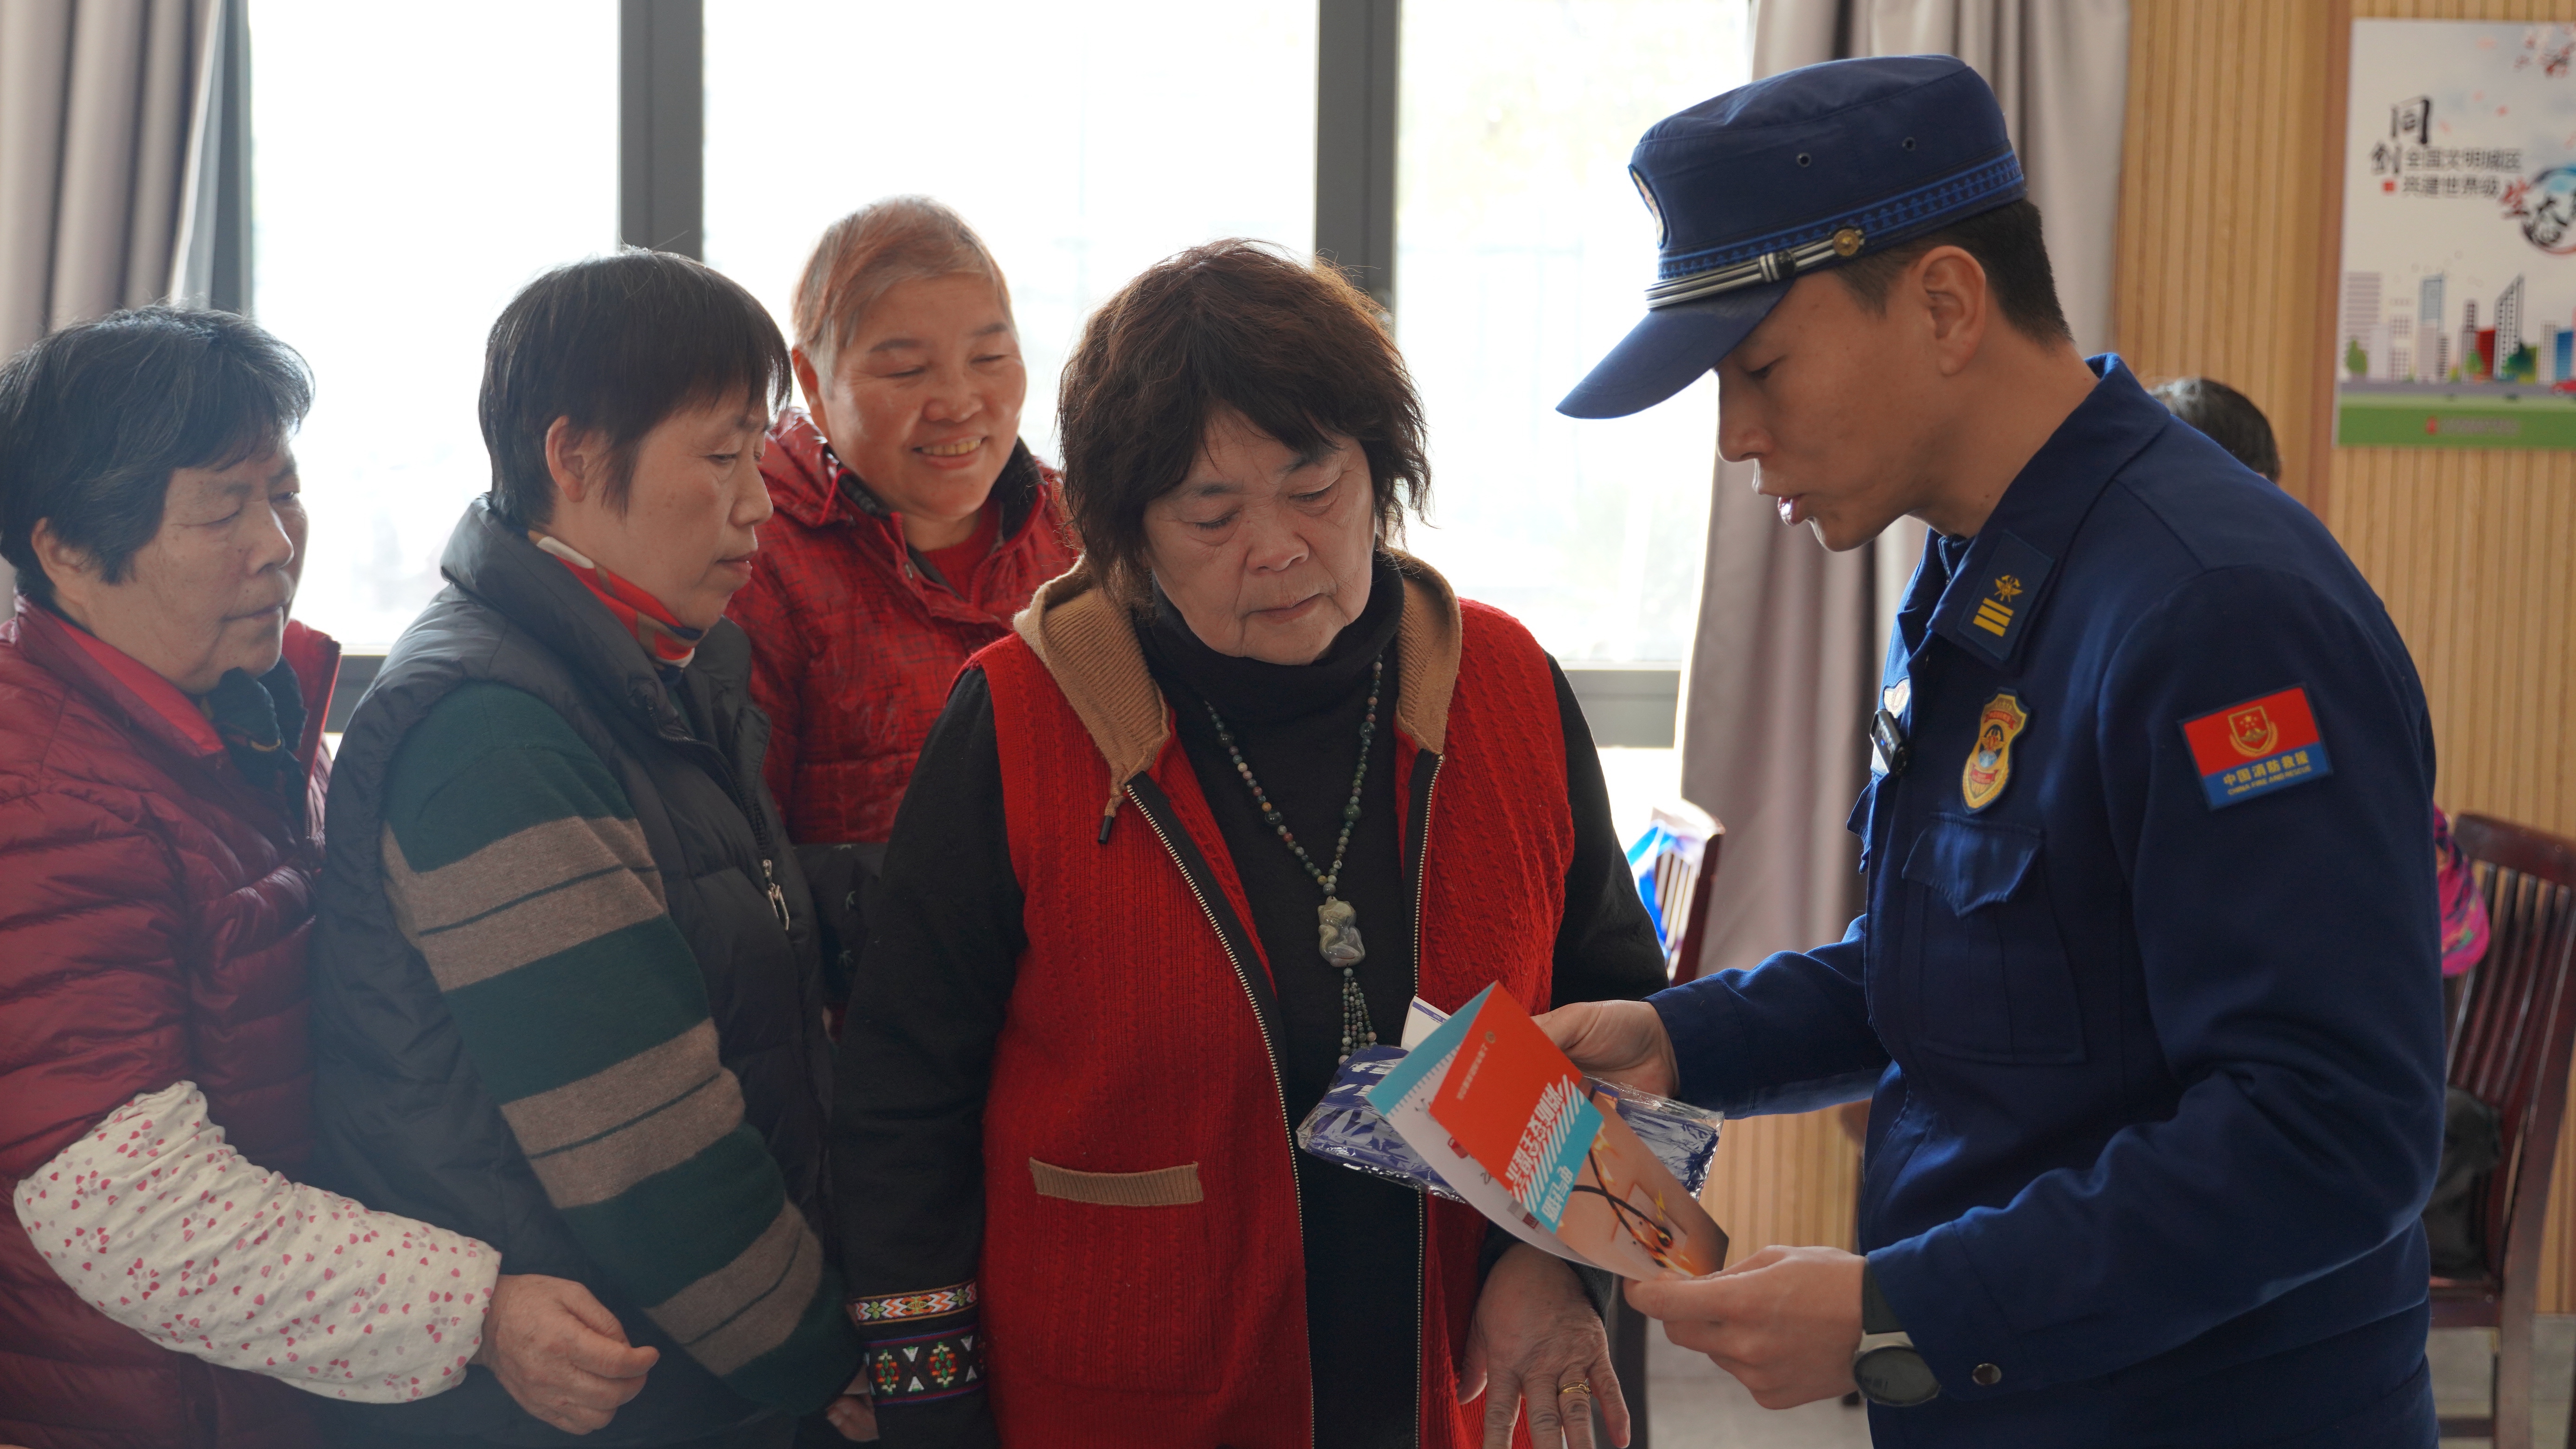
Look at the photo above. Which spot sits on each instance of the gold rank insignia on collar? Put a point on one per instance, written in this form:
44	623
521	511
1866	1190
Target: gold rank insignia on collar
1991	609
1995	611
1989	766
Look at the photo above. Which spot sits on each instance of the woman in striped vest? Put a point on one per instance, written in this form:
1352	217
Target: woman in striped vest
567	993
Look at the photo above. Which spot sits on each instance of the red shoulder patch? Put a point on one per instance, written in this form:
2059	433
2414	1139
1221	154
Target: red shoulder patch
2257	746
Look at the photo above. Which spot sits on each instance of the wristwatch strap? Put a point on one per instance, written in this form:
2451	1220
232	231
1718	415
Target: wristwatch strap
1875	1314
1888	1367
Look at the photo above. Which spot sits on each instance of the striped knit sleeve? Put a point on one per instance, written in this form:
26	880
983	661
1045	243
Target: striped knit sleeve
514	862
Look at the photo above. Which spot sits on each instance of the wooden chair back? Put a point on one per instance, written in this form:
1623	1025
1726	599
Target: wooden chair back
2516	1027
1685	962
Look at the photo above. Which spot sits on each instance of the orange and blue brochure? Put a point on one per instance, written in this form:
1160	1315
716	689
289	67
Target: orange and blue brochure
1517	1106
1508	1122
1403	1098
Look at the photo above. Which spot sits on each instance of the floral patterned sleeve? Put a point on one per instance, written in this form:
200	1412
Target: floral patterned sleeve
158	1223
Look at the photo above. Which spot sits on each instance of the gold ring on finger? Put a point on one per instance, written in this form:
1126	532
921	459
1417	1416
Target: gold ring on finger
1579	1386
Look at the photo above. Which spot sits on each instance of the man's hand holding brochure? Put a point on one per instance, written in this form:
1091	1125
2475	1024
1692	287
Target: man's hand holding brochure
1494	1115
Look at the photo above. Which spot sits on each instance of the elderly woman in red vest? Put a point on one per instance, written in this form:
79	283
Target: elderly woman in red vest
912	524
1094	1005
165	1279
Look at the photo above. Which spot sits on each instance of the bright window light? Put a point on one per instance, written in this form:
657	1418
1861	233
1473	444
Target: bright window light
1082	142
1522	255
413	168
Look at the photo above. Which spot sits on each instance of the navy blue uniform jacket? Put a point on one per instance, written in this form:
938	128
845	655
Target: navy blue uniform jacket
2159	1079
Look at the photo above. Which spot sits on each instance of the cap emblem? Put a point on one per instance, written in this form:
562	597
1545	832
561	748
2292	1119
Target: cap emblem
1847	242
1663	228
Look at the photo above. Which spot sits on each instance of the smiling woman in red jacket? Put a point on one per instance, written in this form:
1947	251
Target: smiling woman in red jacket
163	1280
912	523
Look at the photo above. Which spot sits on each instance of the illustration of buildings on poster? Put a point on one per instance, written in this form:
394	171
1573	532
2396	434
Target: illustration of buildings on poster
2456	314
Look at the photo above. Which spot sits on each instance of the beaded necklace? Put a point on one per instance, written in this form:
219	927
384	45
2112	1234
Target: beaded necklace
1337	921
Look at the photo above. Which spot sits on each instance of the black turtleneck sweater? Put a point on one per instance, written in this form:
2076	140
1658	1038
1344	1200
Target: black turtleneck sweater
1298	728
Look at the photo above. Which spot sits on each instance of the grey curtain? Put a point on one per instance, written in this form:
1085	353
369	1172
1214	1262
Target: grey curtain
112	141
98	106
1785	662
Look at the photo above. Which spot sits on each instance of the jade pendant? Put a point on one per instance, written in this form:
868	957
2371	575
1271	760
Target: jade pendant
1338	933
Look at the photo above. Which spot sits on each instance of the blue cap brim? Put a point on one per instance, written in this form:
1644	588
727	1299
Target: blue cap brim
1669	350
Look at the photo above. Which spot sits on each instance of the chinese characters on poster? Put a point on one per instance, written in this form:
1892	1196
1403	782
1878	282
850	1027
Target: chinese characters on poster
2456	314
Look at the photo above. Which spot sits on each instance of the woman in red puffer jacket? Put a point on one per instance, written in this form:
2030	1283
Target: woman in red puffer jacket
165	1277
106	785
155	894
912	524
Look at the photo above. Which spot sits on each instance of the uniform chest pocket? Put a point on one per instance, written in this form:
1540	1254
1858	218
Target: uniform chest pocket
1987	970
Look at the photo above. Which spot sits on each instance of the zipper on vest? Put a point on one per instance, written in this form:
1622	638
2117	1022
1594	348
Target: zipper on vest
747	800
1278	1084
1430	763
777	897
1422	863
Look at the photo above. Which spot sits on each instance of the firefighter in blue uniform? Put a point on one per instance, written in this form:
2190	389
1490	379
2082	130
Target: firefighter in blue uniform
2147	985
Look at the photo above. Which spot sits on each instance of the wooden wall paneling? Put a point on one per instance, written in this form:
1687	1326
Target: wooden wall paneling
2328	287
1788	1180
2555	1241
2472	552
2229	266
2219	230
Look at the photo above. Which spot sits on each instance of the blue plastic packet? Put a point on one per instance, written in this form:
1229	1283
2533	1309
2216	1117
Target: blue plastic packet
1344	1128
1682	1137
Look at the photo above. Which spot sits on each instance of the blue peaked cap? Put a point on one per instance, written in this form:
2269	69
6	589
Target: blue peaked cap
1807	169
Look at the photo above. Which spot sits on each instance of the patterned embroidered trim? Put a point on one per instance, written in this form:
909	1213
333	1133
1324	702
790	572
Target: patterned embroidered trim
897	1306
928	1368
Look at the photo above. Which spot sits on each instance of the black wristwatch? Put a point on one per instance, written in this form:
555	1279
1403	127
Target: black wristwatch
1887	1366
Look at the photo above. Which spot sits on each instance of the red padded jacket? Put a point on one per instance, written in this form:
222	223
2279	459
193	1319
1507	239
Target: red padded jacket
154	909
854	645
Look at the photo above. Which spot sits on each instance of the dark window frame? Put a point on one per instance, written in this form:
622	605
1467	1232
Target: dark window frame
661	203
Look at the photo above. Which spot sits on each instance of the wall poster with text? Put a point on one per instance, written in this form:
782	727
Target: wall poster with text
2456	313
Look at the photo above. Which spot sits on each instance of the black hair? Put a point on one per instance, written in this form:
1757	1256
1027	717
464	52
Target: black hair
616	344
2229	418
1295	349
2006	242
95	419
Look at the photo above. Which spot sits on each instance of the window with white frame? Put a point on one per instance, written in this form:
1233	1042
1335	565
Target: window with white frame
413	167
1082	142
1523	254
400	202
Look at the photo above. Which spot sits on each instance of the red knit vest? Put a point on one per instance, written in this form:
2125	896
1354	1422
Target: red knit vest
1131	1046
